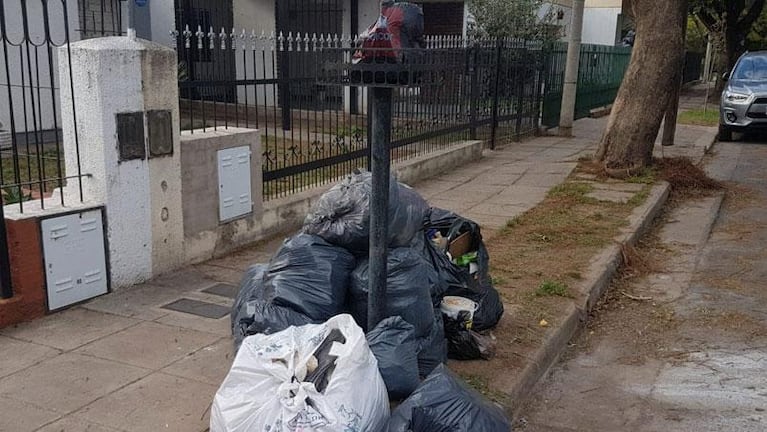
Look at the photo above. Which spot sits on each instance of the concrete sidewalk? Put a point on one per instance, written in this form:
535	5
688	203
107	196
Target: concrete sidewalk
129	362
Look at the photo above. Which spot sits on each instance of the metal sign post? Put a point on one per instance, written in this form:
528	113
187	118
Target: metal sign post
379	203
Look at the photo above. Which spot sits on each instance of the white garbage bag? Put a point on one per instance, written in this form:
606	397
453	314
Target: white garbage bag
313	378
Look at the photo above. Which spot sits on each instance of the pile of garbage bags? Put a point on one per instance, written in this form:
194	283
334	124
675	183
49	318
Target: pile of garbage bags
300	324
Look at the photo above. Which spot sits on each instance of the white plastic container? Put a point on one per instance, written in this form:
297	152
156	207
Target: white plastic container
454	305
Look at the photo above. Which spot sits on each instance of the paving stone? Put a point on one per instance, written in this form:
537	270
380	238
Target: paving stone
497	178
19	355
159	402
487	221
198	308
507	211
140	302
68	382
209	364
19	416
69	329
220	274
221	327
149	345
432	188
455	206
611	196
541	180
75	424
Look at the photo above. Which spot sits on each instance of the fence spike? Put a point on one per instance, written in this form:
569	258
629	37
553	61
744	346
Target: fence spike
306	41
298	41
187	37
233	38
290	41
281	41
314	41
211	39
253	39
200	36
174	38
222	37
242	39
335	41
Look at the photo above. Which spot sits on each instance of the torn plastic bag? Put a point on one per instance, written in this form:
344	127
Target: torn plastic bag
396	349
437	282
408	293
433	349
253	314
443	400
464	343
341	216
460	281
309	276
251	288
274	383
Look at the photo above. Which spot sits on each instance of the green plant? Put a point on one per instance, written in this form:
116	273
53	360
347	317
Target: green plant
552	289
13	195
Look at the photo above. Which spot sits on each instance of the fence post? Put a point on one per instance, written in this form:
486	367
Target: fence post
6	291
521	89
473	62
496	87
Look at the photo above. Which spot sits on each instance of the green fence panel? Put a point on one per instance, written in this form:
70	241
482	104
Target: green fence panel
600	75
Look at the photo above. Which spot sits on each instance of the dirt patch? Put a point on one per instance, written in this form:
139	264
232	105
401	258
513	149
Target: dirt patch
537	263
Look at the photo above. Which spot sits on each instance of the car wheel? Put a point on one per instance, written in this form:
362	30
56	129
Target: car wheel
725	133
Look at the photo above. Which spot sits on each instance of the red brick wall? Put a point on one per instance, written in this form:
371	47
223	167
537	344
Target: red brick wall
443	18
27	274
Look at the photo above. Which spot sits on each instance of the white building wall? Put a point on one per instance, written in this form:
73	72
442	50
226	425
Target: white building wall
30	68
600	25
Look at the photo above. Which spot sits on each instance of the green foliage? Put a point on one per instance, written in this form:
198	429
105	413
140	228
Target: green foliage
514	18
13	195
552	289
757	38
729	23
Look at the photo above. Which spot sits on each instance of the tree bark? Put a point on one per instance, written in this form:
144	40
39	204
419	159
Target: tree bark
628	141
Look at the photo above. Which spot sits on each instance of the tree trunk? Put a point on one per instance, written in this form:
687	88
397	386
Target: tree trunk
628	141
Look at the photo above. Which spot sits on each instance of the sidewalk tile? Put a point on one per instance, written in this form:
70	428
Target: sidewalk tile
159	402
210	364
220	274
541	180
220	327
149	345
75	424
500	210
525	196
68	382
139	302
17	416
69	329
24	354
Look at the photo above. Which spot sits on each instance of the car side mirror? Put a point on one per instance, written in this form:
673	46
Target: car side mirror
726	76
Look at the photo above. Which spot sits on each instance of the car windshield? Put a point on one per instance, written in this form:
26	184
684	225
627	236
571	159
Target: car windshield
751	69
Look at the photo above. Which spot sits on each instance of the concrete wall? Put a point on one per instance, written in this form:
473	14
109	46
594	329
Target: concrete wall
142	196
600	25
204	236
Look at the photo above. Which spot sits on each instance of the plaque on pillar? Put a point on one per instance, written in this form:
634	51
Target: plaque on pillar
160	125
130	136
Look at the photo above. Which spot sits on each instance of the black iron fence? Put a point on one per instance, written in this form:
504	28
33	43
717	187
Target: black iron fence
31	148
313	133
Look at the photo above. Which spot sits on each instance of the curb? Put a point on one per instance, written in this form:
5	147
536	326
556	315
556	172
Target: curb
601	272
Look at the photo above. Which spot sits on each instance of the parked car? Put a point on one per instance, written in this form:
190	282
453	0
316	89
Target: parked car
744	101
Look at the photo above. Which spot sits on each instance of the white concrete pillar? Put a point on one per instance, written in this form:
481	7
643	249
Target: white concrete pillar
142	196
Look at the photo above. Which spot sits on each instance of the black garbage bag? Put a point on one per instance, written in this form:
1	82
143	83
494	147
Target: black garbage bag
252	313
433	349
444	403
464	343
437	282
309	276
394	345
408	293
341	216
460	281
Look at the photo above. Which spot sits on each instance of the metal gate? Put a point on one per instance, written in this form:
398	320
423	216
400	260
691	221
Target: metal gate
32	32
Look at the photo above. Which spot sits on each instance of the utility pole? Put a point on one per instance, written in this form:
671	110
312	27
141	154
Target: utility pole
567	114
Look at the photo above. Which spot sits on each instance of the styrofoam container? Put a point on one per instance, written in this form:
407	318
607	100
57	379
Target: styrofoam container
454	305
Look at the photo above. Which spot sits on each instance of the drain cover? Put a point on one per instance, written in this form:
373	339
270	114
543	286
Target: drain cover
223	290
199	308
